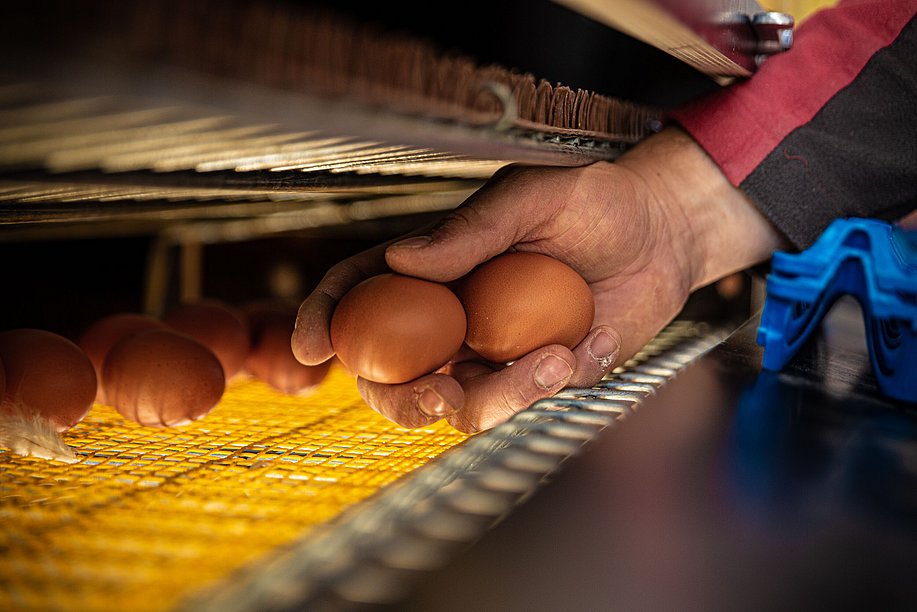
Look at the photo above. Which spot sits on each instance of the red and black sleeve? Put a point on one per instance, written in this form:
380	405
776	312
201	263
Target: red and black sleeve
827	129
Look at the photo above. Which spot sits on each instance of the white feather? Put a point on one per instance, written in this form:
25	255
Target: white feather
30	435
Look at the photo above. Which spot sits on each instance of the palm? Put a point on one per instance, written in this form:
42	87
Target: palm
605	224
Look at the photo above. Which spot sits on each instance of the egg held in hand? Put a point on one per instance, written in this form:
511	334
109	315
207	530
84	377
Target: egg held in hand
104	333
271	358
392	328
47	375
519	302
218	326
162	378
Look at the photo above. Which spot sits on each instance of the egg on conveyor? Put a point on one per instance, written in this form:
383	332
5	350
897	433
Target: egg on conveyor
162	378
393	328
518	302
218	326
97	339
48	375
271	358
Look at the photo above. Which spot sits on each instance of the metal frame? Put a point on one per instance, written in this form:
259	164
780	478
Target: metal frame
372	554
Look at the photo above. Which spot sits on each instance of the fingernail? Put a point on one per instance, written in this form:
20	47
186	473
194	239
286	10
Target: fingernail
413	243
603	348
552	370
432	404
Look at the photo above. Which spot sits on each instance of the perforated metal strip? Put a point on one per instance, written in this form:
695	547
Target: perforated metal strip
371	554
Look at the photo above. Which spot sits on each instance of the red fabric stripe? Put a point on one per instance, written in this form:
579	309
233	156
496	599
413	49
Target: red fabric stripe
741	124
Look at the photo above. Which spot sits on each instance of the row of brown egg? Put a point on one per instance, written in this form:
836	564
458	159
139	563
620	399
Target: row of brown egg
389	329
156	372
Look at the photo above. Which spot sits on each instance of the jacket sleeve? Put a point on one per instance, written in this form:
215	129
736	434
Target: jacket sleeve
827	129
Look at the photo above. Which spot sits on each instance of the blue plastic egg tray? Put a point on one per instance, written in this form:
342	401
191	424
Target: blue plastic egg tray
871	260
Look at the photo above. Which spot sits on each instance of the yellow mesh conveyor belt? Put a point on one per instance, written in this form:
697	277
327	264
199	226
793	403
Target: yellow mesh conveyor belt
149	516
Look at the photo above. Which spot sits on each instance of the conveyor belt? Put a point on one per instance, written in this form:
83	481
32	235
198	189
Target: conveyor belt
373	555
273	500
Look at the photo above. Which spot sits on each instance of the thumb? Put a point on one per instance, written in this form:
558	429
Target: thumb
488	223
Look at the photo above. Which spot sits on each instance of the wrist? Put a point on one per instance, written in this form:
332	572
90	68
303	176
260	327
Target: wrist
715	227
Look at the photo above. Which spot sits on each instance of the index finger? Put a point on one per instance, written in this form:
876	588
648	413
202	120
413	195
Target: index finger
311	340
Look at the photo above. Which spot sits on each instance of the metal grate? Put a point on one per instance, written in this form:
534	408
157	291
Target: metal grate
167	149
372	553
124	135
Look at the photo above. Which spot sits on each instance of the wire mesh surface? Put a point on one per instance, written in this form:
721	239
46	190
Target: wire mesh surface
373	553
149	516
277	502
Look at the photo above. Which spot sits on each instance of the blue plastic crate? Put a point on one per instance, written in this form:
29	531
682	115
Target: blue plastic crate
873	261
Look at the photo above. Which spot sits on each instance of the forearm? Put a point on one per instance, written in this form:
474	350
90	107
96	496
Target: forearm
826	129
715	226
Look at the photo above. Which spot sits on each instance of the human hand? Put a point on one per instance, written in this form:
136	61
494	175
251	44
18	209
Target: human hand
643	232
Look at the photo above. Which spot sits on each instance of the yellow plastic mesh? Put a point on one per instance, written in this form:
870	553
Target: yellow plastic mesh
149	516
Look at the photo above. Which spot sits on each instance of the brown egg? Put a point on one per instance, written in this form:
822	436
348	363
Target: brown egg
99	337
161	378
518	302
271	357
392	328
218	326
47	374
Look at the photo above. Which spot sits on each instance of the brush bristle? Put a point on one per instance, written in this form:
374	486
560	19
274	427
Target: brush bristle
310	49
320	51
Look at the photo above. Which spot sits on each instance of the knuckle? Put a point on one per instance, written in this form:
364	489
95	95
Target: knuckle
388	401
461	423
456	221
515	399
508	171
